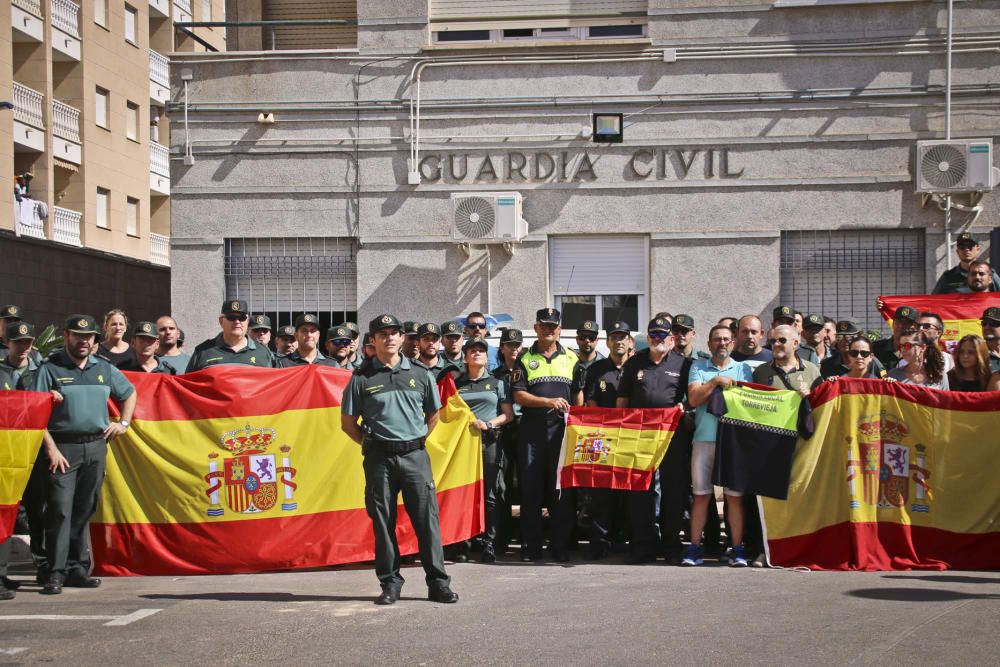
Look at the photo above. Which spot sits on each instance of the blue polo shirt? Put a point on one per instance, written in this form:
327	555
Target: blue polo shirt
703	370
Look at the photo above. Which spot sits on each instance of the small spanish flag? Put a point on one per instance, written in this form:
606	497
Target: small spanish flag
615	448
24	416
961	313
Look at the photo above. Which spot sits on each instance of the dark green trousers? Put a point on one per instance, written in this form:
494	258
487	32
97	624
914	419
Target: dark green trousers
4	556
71	499
34	505
386	475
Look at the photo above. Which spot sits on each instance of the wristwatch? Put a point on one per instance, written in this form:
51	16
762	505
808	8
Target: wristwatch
124	422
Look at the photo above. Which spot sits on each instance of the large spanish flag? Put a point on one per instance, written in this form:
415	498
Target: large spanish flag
961	312
237	469
896	477
24	416
615	448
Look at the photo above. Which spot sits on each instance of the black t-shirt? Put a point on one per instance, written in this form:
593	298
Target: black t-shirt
602	383
649	385
117	359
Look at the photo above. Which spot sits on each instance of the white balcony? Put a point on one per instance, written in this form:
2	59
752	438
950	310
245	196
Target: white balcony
159	78
29	222
29	125
27	20
159	249
159	169
65	30
159	8
66	226
182	10
66	132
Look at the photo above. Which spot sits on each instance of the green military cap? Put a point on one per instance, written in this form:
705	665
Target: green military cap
306	318
235	307
588	326
367	340
286	331
848	328
147	329
783	313
874	335
685	321
338	333
10	312
474	341
429	328
352	327
511	336
384	322
813	320
19	330
659	324
452	328
410	328
260	322
906	313
548	316
84	324
620	326
992	313
966	238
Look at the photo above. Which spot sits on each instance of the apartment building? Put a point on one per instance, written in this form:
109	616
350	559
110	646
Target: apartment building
767	155
88	85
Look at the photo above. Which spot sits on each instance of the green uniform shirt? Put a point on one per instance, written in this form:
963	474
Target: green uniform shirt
215	352
85	391
458	364
805	373
18	378
392	402
295	359
483	396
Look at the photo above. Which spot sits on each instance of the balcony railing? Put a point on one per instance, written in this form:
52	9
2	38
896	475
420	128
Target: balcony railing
184	5
65	121
28	106
66	17
30	6
159	69
159	249
159	159
66	226
29	222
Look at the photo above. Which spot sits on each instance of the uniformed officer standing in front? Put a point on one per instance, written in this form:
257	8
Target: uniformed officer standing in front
145	340
542	384
586	355
452	339
398	404
307	345
81	427
428	354
232	345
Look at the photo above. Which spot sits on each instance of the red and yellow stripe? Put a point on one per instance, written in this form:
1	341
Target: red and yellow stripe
24	416
961	313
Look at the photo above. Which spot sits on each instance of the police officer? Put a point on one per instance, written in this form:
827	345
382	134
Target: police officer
903	320
991	333
355	357
307	345
409	339
81	427
658	378
452	339
284	340
145	340
428	357
260	329
956	279
586	354
490	401
11	314
511	341
836	364
476	325
813	345
601	391
398	404
232	345
542	383
338	347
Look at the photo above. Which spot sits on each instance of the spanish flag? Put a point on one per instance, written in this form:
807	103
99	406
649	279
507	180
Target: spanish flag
615	448
238	469
24	415
961	313
895	477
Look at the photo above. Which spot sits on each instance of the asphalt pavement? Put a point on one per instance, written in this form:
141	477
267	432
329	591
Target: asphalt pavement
513	613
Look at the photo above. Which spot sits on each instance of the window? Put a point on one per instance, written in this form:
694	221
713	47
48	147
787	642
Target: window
103	208
131	24
132	216
611	31
615	291
463	36
839	273
102	108
206	10
132	121
101	13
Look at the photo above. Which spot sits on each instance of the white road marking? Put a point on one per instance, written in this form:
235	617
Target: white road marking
137	615
111	620
12	651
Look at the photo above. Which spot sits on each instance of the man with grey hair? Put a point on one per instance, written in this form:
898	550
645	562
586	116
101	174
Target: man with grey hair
787	370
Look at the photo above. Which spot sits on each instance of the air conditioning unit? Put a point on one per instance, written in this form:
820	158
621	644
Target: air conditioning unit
488	217
962	165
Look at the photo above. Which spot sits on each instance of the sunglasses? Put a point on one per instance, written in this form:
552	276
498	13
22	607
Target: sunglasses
587	337
237	318
906	347
341	342
476	325
928	325
864	354
782	341
657	335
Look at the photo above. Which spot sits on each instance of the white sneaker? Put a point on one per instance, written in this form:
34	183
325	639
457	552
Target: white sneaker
760	561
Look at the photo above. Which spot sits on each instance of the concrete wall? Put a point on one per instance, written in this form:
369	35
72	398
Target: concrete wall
794	158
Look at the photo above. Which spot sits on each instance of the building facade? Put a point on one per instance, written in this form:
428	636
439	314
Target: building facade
768	156
88	84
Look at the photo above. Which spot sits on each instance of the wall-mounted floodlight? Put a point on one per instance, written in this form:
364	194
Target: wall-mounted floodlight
608	128
265	118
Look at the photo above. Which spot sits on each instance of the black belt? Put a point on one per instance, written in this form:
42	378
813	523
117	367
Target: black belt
77	438
391	447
